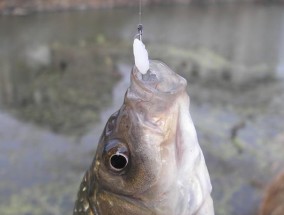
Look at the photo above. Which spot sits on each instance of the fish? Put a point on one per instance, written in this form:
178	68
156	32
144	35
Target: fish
148	159
273	202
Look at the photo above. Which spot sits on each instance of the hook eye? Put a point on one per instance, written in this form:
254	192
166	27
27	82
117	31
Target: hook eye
118	161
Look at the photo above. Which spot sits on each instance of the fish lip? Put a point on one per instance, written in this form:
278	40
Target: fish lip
175	80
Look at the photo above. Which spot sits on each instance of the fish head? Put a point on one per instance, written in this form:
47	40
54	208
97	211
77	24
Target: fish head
137	151
148	159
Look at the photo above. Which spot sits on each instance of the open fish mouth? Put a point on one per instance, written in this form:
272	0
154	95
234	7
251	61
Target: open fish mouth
153	94
160	80
158	91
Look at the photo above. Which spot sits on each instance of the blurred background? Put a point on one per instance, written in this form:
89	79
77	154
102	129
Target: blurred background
65	66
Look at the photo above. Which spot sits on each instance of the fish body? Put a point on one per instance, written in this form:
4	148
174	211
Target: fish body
148	159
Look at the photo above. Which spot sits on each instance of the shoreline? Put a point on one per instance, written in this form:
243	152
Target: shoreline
19	8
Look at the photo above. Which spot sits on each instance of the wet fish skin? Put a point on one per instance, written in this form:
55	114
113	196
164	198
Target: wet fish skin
165	171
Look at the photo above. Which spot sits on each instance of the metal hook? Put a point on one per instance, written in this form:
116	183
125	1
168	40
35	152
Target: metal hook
140	31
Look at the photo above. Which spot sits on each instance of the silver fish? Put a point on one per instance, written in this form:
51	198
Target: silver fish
148	159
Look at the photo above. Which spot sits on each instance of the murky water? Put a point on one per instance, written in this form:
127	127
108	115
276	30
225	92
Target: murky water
63	74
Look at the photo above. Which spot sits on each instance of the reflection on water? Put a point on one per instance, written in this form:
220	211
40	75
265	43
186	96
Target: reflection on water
58	87
57	73
243	34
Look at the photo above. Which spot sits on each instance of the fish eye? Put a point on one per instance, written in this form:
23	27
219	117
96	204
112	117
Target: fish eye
118	161
116	155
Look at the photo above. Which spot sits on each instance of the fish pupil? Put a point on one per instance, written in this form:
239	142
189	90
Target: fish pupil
118	161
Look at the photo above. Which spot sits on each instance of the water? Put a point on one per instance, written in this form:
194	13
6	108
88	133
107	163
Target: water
63	74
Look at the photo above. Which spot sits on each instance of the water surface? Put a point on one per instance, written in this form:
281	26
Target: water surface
63	74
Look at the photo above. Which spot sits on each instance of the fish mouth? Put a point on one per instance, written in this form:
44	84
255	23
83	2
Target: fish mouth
159	80
156	91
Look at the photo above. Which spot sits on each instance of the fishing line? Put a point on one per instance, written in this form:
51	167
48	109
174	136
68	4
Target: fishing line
140	26
140	11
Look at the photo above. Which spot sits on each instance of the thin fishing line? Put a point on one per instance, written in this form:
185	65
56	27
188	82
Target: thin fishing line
140	11
140	26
